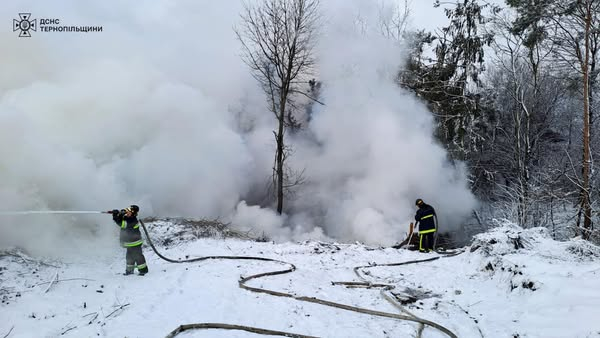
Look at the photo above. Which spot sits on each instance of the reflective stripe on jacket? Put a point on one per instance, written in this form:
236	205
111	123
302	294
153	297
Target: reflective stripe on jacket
425	218
130	235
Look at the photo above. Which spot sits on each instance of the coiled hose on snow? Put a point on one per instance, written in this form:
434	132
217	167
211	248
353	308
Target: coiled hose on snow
291	267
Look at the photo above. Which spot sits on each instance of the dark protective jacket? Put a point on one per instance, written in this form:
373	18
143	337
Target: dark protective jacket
130	229
425	218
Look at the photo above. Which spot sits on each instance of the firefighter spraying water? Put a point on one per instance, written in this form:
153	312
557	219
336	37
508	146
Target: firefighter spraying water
131	239
130	236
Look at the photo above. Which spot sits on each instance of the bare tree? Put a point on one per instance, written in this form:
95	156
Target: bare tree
277	38
394	20
586	11
520	64
574	36
571	25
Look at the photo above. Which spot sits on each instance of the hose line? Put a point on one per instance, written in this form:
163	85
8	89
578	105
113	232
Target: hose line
291	267
242	283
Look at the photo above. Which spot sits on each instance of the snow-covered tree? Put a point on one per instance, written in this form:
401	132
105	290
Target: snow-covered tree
573	28
448	80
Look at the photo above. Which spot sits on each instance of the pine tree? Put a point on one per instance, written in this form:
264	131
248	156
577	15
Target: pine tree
448	81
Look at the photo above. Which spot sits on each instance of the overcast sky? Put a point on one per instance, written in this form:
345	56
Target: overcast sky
425	16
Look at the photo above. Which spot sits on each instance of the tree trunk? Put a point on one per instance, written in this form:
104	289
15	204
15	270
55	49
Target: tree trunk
593	79
585	201
518	153
277	39
280	157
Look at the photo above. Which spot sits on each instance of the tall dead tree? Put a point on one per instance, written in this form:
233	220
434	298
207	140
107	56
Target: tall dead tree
277	38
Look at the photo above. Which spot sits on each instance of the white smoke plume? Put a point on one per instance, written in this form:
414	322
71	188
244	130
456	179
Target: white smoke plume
376	152
159	110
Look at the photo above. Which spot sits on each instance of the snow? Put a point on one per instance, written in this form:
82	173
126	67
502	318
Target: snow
510	282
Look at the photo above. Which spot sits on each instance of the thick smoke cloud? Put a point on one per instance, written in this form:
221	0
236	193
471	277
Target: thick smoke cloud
376	153
159	110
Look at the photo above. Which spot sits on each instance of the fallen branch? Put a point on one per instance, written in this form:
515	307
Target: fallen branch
67	330
65	280
92	320
18	254
117	309
367	285
52	282
9	331
475	321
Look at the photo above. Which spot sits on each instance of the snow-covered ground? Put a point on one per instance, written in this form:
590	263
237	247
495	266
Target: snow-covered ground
509	283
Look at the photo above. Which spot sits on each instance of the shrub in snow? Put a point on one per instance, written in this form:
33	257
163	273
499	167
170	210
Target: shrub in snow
583	249
173	231
506	238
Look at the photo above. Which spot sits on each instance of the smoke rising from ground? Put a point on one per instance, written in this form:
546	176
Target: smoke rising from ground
159	110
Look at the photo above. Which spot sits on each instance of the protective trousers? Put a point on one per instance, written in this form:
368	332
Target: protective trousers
426	241
135	258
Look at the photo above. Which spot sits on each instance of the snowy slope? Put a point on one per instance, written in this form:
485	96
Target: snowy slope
510	283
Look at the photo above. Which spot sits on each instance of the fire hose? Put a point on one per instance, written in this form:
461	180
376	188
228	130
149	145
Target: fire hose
242	283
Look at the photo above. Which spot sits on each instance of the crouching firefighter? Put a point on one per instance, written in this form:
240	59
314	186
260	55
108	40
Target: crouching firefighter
426	220
131	239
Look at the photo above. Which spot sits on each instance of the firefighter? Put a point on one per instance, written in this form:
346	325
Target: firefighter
131	239
426	221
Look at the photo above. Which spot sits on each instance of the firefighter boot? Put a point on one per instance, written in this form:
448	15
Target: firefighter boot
142	269
128	270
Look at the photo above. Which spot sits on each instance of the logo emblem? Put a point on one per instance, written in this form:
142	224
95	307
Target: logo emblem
24	24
